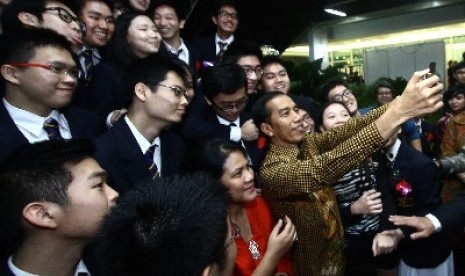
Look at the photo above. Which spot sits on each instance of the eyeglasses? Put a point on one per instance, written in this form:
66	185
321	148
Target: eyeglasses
230	107
249	69
57	68
340	97
67	17
178	91
228	15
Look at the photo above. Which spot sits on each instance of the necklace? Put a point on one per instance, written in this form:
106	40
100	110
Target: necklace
253	246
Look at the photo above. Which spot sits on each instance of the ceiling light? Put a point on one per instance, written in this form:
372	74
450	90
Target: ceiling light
335	12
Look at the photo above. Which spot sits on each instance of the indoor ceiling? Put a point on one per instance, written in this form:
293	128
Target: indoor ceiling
279	23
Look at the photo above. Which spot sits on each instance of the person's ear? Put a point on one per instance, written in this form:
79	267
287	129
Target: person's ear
182	23
41	214
207	271
28	19
214	20
9	73
266	129
321	129
140	90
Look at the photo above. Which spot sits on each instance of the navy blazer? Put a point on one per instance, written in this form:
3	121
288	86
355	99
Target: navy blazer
101	94
417	170
451	215
82	123
204	49
120	155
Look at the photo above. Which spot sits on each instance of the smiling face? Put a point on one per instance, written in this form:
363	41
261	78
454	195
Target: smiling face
39	90
99	21
51	20
251	65
342	93
167	22
90	199
162	104
238	178
334	115
139	5
143	36
457	103
275	78
226	21
383	95
286	126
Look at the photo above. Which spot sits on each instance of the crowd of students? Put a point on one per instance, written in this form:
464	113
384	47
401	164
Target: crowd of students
126	150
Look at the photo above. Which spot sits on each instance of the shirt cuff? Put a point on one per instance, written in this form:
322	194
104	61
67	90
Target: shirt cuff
108	120
235	134
435	222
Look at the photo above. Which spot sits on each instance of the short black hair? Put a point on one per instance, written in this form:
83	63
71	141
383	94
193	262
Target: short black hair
120	51
260	113
224	77
218	4
209	155
20	47
328	86
179	10
453	91
267	60
459	66
33	173
9	18
167	226
151	71
109	3
240	48
384	84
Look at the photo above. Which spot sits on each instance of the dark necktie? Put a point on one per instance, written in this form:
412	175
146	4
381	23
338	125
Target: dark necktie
179	52
52	129
222	50
153	169
88	63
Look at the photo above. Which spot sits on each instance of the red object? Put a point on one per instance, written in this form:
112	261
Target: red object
262	223
404	188
261	142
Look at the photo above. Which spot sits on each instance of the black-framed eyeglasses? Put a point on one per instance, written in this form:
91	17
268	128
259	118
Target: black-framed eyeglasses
56	67
249	69
67	17
228	15
178	91
340	97
230	107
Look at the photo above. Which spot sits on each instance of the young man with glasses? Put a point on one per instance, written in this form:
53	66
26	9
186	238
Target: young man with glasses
58	15
226	19
224	89
40	76
140	145
338	90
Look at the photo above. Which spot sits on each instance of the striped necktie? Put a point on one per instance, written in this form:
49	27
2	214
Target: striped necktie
52	129
222	50
153	169
88	63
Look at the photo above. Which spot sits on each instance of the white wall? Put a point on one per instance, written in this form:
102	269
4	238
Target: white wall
402	61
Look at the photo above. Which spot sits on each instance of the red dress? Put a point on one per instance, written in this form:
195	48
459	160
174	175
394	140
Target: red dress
262	223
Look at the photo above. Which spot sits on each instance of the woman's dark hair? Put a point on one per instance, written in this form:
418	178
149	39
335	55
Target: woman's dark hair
120	51
209	155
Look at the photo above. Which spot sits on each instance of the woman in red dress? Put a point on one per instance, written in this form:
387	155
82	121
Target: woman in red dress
261	243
